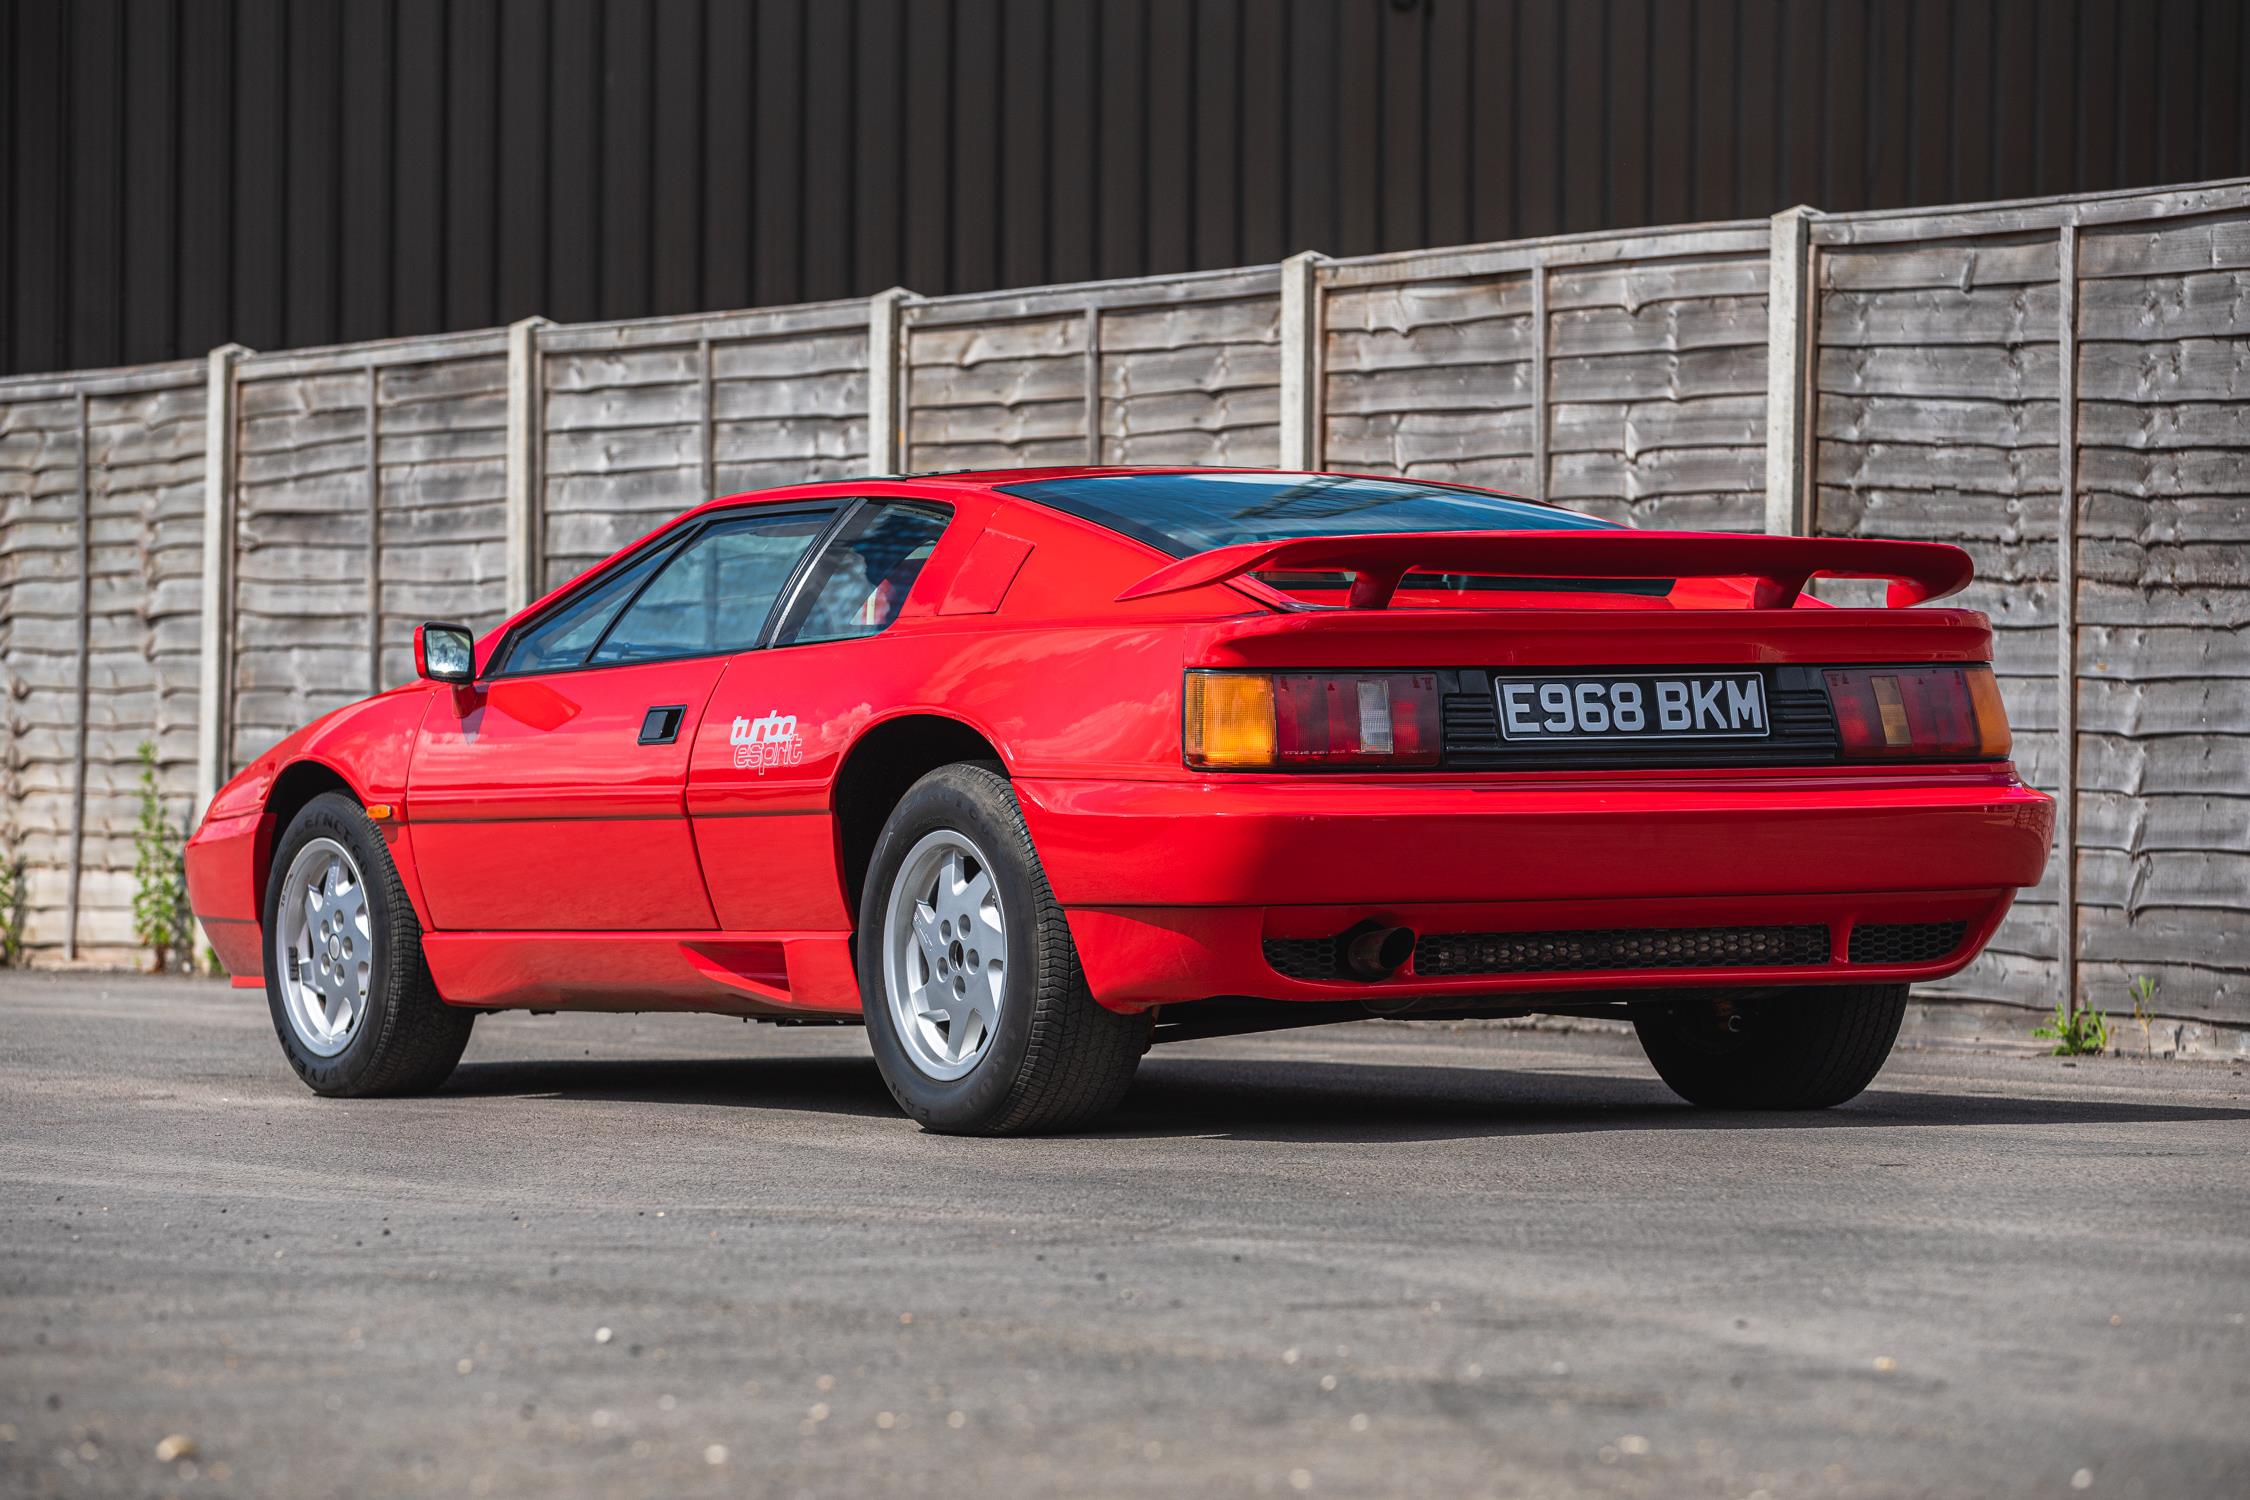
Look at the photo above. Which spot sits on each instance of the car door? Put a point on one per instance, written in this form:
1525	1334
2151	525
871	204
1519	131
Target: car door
758	791
549	796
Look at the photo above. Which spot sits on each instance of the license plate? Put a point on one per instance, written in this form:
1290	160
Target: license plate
1643	706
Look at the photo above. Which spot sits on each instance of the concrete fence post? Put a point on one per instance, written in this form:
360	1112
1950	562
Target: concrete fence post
1091	393
1542	392
1789	359
2066	622
215	641
524	424
85	629
886	436
372	393
1301	415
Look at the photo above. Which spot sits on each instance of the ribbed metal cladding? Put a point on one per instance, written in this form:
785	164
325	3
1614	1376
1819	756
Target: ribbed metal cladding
1905	942
1620	949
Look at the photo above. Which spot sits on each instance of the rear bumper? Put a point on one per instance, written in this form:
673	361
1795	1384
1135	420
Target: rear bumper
1174	887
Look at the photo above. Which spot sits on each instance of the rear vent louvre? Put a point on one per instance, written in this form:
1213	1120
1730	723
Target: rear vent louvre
1620	949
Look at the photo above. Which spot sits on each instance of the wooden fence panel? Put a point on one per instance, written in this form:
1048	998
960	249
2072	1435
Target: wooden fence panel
1170	370
39	630
1432	379
2163	648
369	494
641	420
1946	345
99	611
1935	418
442	465
1622	375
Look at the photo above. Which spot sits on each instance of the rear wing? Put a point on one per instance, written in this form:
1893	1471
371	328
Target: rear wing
1777	567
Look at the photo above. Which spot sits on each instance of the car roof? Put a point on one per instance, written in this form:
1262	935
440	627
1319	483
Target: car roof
992	479
980	479
936	482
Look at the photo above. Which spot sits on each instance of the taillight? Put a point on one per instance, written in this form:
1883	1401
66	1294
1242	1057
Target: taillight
1280	720
1924	713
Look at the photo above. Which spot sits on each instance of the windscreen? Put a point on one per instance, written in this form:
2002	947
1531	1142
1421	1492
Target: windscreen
1184	514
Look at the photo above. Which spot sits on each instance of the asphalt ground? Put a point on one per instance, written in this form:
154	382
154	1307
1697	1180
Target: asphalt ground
682	1256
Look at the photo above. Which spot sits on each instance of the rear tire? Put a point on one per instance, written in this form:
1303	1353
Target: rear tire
985	1027
1807	1048
351	995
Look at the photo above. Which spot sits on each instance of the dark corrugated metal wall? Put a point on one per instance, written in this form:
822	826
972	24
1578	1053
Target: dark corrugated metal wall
177	173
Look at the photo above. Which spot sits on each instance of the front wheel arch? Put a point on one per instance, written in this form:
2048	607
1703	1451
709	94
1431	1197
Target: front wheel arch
294	786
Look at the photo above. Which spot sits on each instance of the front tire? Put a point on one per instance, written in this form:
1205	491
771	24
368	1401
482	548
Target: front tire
1807	1048
351	996
976	1007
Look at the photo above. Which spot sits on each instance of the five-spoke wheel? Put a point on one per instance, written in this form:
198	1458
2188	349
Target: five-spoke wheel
976	1007
323	946
350	992
945	941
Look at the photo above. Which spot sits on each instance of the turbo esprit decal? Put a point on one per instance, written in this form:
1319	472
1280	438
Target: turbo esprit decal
770	741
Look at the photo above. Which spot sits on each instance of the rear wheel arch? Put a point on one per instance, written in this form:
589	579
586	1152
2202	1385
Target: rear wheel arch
881	765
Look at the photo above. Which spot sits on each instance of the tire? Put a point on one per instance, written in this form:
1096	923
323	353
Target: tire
1051	1058
1807	1048
400	1038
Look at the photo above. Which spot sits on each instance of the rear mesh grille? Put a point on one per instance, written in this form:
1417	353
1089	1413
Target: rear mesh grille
1620	948
1905	942
1306	958
1627	948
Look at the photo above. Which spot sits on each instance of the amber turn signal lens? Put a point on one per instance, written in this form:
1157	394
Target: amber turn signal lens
1994	740
1304	720
1229	723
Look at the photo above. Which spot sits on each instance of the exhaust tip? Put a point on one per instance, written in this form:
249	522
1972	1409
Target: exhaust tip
1376	952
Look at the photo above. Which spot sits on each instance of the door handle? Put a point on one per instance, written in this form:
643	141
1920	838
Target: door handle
661	726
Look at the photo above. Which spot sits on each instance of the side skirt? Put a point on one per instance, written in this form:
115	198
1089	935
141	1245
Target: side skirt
727	973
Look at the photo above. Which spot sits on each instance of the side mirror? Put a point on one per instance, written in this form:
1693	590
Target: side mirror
445	652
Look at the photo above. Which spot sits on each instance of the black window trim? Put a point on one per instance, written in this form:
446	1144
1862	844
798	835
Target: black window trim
674	541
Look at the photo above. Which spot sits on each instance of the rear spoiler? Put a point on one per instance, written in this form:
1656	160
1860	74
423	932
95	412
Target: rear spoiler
1776	566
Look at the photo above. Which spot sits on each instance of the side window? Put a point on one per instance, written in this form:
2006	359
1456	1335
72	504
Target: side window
715	593
861	580
562	639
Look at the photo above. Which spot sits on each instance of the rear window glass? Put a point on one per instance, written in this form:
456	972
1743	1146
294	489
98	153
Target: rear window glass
1183	514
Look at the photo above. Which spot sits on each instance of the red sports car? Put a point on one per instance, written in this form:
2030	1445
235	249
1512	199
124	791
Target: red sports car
1028	769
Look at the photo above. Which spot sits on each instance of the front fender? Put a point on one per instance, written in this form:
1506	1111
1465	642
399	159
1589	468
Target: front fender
365	748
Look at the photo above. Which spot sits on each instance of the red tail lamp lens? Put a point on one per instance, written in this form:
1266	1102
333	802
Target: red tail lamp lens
1318	719
1920	713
